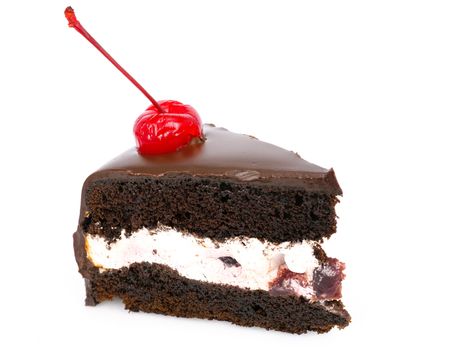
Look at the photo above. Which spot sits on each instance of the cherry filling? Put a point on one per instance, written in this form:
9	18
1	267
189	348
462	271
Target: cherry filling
288	282
327	280
325	284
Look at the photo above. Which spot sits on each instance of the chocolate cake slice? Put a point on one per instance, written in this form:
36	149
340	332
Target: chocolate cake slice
227	229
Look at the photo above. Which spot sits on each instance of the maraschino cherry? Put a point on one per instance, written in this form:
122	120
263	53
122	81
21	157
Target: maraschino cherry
166	126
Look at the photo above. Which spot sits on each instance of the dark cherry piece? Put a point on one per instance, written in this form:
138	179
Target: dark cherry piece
165	126
229	261
283	283
327	279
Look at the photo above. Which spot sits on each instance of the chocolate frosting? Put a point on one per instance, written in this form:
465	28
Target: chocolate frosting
226	154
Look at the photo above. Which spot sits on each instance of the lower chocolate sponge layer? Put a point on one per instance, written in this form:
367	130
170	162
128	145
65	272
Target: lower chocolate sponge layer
159	289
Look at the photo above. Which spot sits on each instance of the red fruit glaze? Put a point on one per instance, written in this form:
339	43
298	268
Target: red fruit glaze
164	127
158	133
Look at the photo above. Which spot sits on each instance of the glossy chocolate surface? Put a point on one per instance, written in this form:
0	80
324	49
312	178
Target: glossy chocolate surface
226	154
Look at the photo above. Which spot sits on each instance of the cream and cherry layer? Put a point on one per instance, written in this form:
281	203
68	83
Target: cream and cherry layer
282	269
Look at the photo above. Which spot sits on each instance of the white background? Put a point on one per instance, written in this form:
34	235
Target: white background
375	89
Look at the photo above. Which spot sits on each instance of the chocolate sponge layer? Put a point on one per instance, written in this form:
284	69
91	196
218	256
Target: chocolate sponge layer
159	289
213	207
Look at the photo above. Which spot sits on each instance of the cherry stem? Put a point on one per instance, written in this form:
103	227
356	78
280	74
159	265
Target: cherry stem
74	23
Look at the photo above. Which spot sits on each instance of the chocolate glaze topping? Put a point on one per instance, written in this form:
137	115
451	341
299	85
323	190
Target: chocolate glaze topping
226	154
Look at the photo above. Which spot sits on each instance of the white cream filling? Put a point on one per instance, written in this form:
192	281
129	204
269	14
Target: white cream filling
198	258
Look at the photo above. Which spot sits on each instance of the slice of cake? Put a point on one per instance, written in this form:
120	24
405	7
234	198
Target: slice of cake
202	222
226	229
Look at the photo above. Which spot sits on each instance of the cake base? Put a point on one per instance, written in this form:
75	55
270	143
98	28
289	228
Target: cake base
159	289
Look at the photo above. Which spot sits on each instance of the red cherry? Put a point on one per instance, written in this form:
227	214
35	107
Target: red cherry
158	133
171	106
165	126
